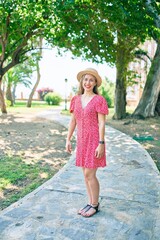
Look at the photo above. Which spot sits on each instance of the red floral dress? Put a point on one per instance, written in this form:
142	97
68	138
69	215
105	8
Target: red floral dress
88	130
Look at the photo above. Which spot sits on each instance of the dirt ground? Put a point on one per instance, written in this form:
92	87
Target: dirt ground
23	134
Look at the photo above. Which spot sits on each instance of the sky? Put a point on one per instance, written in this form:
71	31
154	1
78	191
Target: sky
55	69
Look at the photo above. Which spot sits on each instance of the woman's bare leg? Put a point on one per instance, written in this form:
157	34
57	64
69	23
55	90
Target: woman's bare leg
92	189
88	193
87	188
93	184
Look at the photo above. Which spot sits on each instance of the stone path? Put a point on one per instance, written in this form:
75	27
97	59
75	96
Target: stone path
129	199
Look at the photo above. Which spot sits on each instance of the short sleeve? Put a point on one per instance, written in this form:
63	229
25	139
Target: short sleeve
72	104
102	106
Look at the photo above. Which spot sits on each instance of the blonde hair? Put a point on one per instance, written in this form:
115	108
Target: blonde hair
81	89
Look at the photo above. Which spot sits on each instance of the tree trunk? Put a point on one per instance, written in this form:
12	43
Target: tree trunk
14	92
9	94
148	101
120	90
29	102
2	100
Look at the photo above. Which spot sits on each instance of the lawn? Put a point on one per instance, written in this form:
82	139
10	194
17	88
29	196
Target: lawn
36	106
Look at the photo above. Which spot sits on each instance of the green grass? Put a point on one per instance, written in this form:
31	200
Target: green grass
158	143
34	104
17	178
21	106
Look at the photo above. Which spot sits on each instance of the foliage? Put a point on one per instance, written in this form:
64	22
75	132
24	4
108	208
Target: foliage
53	98
90	28
75	89
107	91
43	91
8	102
21	74
21	23
103	31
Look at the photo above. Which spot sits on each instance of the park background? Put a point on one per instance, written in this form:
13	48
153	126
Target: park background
55	69
125	24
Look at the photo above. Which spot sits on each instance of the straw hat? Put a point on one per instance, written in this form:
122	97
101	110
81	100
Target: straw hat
91	71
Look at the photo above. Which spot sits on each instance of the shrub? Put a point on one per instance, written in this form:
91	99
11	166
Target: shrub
107	91
107	97
43	91
52	98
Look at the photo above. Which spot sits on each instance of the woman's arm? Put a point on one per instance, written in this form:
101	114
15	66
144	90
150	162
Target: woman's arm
71	129
101	147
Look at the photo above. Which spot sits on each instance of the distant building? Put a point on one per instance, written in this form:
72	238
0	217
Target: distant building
141	69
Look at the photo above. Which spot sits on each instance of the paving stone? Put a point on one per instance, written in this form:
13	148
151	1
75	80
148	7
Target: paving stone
4	224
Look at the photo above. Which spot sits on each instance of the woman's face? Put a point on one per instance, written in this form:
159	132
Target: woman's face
89	82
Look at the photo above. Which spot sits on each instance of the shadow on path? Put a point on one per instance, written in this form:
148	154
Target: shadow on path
129	199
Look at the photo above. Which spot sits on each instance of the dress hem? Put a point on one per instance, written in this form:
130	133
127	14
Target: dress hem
90	167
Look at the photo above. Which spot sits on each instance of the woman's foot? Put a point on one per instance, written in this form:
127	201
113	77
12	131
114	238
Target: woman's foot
91	211
84	209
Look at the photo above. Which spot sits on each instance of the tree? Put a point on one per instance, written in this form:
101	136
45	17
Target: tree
21	23
9	95
20	74
29	103
104	31
149	102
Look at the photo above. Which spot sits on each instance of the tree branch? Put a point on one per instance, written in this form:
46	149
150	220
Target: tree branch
18	51
153	11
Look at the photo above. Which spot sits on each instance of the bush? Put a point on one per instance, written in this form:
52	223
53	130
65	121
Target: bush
107	91
43	91
107	97
52	98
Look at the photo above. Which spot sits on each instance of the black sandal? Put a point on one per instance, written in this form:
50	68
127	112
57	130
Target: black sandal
95	208
86	208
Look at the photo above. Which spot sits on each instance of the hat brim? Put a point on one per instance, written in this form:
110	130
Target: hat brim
80	75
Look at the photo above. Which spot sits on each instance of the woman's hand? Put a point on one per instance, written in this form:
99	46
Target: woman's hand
99	152
68	146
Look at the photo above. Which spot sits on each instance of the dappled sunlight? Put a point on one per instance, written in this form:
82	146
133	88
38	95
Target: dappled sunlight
55	131
132	169
39	144
148	145
43	175
4	183
155	127
145	132
24	142
126	149
7	188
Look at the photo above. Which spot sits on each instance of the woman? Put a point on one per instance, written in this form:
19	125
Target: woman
88	114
